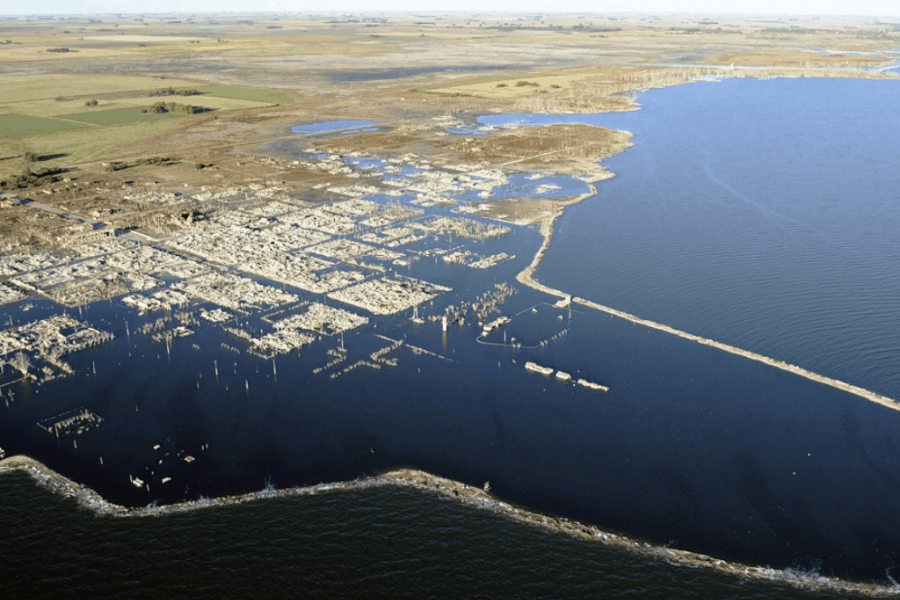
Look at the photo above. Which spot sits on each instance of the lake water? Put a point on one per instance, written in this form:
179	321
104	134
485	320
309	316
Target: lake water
760	214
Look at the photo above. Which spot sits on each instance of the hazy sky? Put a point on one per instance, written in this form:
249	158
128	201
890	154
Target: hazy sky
821	7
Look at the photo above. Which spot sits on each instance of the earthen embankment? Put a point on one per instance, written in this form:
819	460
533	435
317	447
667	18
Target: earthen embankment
466	494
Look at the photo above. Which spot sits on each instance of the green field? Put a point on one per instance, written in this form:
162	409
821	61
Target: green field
120	99
207	100
255	95
32	119
84	144
35	87
17	126
117	117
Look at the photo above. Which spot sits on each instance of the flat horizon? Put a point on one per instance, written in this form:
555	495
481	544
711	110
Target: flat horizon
346	12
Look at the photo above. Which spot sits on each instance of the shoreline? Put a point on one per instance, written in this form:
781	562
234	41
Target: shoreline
547	229
404	478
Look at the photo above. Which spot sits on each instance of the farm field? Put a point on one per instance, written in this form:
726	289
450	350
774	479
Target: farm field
262	96
17	126
32	108
37	87
79	144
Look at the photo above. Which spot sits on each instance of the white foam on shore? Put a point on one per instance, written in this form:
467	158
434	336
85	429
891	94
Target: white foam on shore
466	495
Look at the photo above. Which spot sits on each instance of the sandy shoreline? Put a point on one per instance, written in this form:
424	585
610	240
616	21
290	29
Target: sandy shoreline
454	490
546	228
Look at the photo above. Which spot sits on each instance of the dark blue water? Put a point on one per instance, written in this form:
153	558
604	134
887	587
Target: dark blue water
375	543
692	447
759	213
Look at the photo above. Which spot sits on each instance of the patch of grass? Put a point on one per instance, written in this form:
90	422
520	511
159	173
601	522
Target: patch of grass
523	83
167	47
206	101
36	111
115	117
39	101
35	87
86	144
16	126
255	95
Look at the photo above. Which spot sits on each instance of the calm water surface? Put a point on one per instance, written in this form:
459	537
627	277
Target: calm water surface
758	213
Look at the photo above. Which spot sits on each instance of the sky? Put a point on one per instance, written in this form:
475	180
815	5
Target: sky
884	8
